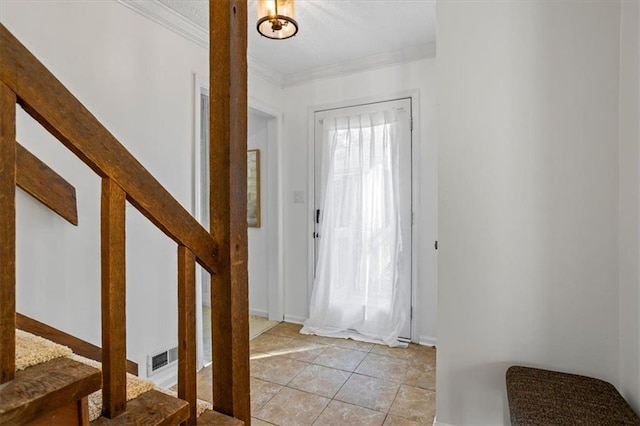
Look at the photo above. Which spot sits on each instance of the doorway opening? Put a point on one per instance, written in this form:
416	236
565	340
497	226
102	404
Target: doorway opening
266	299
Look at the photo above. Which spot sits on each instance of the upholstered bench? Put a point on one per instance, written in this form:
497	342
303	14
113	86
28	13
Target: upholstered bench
542	397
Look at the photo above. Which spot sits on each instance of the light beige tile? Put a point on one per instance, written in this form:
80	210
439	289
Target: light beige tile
262	392
354	344
410	353
420	375
399	421
276	369
400	353
292	407
426	354
258	355
204	388
320	380
414	404
384	367
343	359
320	340
267	343
286	329
302	350
369	392
258	325
340	413
258	422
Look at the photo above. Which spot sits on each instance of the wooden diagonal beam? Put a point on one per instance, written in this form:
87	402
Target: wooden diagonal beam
45	185
228	208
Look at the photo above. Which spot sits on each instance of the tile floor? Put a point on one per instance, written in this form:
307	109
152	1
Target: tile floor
311	380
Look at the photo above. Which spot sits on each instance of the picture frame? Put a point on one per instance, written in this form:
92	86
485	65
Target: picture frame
253	188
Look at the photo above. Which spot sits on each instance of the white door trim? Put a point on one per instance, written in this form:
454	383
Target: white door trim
274	204
414	95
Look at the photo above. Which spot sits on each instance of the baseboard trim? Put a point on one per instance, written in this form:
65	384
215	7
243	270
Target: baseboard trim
427	341
294	319
259	313
437	423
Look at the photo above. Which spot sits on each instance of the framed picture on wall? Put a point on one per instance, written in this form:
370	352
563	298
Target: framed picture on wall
253	188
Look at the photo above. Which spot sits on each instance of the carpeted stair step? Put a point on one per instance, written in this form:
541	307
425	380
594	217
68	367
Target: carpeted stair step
213	418
152	408
43	388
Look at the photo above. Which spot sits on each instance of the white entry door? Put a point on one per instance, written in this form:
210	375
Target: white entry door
402	112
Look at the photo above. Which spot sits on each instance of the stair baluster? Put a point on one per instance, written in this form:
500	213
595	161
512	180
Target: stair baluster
114	338
7	233
187	331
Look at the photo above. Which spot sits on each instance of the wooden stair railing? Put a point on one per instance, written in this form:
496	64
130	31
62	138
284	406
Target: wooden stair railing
25	81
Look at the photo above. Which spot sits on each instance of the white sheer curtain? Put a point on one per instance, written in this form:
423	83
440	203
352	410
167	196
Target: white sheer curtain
355	292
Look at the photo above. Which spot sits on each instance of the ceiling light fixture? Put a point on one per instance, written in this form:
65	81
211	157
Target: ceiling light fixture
276	19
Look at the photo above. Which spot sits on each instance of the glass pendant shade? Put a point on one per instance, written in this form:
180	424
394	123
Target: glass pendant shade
276	19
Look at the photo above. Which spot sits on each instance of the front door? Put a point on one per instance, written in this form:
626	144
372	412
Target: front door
368	187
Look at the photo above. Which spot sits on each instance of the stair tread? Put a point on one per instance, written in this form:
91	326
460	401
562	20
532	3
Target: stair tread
214	418
44	387
152	408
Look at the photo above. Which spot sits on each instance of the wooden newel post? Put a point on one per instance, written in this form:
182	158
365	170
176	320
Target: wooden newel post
228	206
7	233
114	335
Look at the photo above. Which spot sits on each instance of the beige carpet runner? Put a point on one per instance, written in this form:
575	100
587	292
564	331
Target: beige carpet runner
32	350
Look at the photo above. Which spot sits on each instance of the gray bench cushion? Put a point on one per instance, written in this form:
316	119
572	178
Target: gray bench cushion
543	397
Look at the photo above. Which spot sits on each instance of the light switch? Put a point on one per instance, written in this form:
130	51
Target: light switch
298	197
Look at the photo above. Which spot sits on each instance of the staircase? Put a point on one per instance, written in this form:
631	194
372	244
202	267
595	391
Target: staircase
56	392
55	377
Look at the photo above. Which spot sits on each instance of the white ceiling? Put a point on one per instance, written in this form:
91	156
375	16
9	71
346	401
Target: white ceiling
336	34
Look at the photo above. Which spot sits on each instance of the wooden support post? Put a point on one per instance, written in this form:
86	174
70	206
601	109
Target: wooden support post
187	331
114	338
7	233
228	183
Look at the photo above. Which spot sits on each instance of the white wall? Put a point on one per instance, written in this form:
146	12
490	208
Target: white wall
258	137
299	102
528	184
136	77
629	214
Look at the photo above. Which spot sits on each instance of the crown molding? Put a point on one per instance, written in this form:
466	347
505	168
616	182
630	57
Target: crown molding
362	64
174	21
259	68
170	19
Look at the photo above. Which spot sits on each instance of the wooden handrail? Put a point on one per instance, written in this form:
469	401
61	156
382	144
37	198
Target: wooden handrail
50	103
